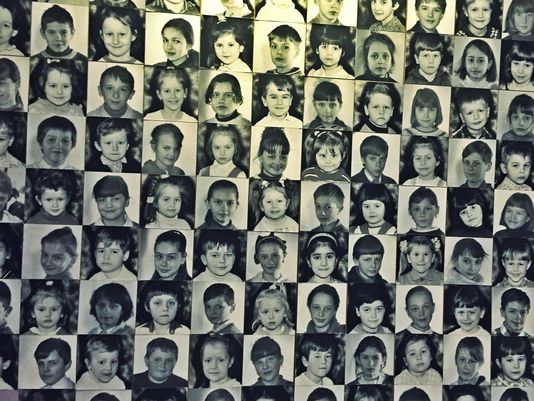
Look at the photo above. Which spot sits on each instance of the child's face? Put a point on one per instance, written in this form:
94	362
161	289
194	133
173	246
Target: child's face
6	27
469	266
110	257
429	14
112	207
521	123
380	109
268	367
327	209
472	215
475	168
113	145
168	259
515	217
169	201
172	93
327	110
516	269
160	365
103	365
318	363
478	12
47	312
374	164
55	259
423	213
425	116
420	309
58	88
371	362
475	114
56	146
371	315
216	362
108	313
163	308
115	93
323	261
383	9
523	21
468	318
379	60
273	164
517	168
421	258
217	310
5	310
322	310
277	100
175	45
227	49
6	140
52	368
369	264
329	54
428	60
514	315
513	367
425	161
223	100
117	37
417	357
219	260
466	365
57	36
477	62
8	93
329	158
223	148
222	204
283	53
271	312
5	254
373	212
166	150
521	71
329	9
53	202
271	256
274	204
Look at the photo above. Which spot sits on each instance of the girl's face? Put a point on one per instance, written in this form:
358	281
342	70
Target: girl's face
372	315
521	71
273	164
271	256
516	269
55	259
175	45
103	365
117	38
322	310
476	62
168	259
478	12
426	116
108	313
47	312
274	204
53	202
216	361
469	266
466	365
223	100
425	161
379	60
172	93
271	312
521	123
329	54
513	367
163	308
373	212
329	158
6	27
421	258
472	215
417	357
169	201
227	49
222	204
323	261
223	148
166	150
379	109
371	362
515	217
58	88
8	93
523	21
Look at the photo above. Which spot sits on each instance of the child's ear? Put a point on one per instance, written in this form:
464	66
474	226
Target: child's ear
503	168
203	259
482	312
305	361
131	94
232	308
357	311
231	361
158	94
498	363
87	362
396	6
38	200
134	35
125	256
97	146
6	364
366	110
8	311
264	101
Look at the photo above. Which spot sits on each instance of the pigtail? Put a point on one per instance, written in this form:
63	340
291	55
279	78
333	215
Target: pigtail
148	202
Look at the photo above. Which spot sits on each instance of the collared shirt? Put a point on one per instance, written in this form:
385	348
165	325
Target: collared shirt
115	167
414	330
508	184
44	164
63	383
127	223
303	380
286	122
430	377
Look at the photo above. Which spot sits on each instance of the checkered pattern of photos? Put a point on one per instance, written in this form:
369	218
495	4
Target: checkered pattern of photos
244	200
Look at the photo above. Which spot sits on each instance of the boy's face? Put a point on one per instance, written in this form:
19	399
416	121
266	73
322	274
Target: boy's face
380	109
56	146
514	315
217	310
383	9
219	260
8	92
166	150
468	318
108	314
475	168
168	260
423	213
469	266
429	61
521	70
53	202
52	368
113	145
223	99
283	53
117	37
379	60
115	93
515	217
475	114
318	363
517	168
47	312
327	110
57	36
268	368
516	269
513	366
327	209
160	364
371	315
216	362
417	357
420	308
6	27
521	123
466	365
112	207
277	100
371	362
322	310
5	310
103	365
5	254
369	264
222	204
479	13
6	140
175	45
329	9
163	308
110	258
429	14
271	256
374	164
55	259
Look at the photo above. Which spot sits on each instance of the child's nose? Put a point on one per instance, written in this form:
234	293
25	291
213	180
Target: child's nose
115	39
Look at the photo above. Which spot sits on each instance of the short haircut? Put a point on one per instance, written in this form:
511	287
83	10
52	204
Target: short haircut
113	235
514	295
213	239
367	245
423	193
102	343
328	91
5	295
415	393
417	290
282	82
63	236
322	394
222	185
285	32
163	344
54	180
371	342
167	128
428	41
56	123
56	14
413	338
373	145
316	342
520	148
115	293
117	72
6	187
503	346
324	289
441	3
46	347
516	249
514	394
473	345
112	125
479	147
219	290
110	185
469	95
367	294
469	296
183	26
220	394
104	397
331	191
264	346
161	287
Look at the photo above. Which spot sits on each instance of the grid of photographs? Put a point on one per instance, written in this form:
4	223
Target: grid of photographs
276	200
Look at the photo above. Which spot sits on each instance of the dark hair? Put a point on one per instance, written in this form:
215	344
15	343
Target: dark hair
163	344
115	293
469	296
54	180
326	90
376	37
337	35
502	346
111	125
117	72
371	342
183	26
110	185
367	245
5	295
378	192
373	145
220	394
56	123
324	289
415	393
519	51
46	347
66	67
423	193
523	201
272	140
317	342
219	290
63	236
56	14
514	295
426	98
285	32
491	73
514	394
413	338
469	95
479	147
210	239
332	191
408	169
322	393
166	128
224	78
109	235
464	197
